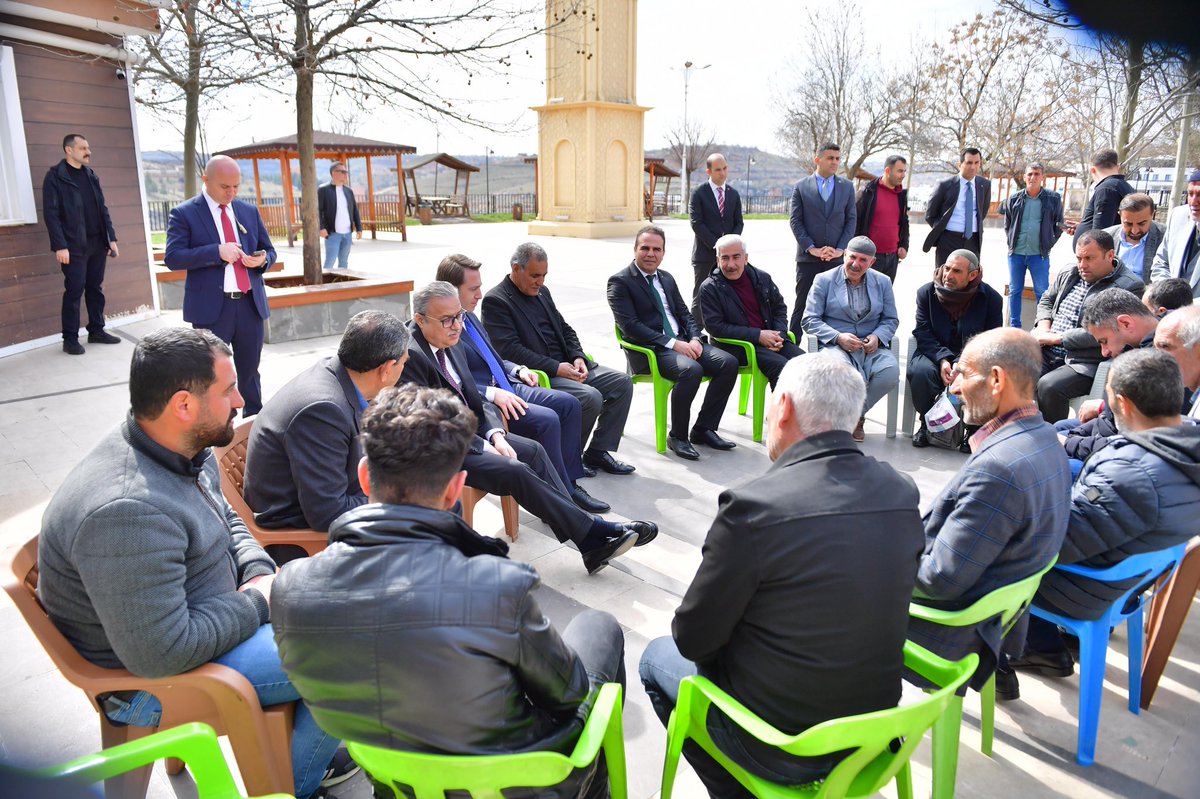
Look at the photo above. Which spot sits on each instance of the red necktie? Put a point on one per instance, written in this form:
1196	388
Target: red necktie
721	200
239	271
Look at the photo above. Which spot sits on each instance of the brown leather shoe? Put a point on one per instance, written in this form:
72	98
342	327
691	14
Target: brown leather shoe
859	434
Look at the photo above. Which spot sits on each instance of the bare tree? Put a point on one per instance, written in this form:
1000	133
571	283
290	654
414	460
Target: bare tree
386	51
697	141
911	87
839	93
196	55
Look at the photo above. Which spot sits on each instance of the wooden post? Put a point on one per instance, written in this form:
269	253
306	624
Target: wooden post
371	199
466	193
285	170
400	190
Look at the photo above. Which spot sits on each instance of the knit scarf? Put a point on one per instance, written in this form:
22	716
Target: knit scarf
956	302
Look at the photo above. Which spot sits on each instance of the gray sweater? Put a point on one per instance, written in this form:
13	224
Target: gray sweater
140	559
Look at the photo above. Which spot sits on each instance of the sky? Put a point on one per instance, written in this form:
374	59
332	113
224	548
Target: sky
749	53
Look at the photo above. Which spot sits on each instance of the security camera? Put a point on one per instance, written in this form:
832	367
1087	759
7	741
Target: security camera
120	74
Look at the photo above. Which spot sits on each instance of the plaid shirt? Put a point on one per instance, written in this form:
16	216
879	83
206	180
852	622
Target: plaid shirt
980	435
1069	312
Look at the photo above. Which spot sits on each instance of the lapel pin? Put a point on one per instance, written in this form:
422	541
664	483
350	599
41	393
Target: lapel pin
241	227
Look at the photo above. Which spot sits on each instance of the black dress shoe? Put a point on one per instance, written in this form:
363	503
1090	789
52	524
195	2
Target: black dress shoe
682	448
72	347
646	531
103	337
588	471
596	559
1007	686
606	462
709	438
1049	664
920	438
586	501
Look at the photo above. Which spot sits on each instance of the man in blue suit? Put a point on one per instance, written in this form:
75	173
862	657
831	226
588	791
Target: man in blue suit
823	220
554	419
223	244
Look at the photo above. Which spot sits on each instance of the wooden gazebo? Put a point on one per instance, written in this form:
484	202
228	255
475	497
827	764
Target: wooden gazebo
331	146
454	204
656	168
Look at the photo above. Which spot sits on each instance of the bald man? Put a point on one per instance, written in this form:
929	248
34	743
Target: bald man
223	245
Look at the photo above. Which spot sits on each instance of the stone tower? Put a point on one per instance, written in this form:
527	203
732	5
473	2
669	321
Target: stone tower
590	146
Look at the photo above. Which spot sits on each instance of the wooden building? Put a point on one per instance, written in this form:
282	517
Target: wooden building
64	69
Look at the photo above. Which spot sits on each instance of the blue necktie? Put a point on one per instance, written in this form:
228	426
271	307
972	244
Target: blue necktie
824	187
969	223
493	366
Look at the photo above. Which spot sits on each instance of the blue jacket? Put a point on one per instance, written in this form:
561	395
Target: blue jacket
1052	216
827	313
1141	493
193	243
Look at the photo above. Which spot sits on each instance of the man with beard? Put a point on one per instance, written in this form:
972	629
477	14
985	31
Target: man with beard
143	564
950	310
1177	256
1138	235
740	302
1003	516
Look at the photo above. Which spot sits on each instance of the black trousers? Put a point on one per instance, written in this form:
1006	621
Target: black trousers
83	278
533	482
924	383
605	396
770	362
950	241
886	263
700	273
1058	386
720	367
806	273
240	326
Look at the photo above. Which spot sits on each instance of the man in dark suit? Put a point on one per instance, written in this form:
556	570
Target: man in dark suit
304	450
649	311
800	606
1003	516
823	222
551	418
957	209
339	214
742	302
501	463
715	209
223	244
1109	187
82	237
526	327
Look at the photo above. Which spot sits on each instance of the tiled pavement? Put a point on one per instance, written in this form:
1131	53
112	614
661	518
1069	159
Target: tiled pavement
54	407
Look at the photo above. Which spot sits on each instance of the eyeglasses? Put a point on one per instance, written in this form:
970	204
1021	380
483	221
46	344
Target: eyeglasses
342	171
449	322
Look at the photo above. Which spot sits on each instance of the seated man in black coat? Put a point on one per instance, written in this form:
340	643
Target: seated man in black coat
497	462
951	309
303	454
650	312
413	632
740	302
799	609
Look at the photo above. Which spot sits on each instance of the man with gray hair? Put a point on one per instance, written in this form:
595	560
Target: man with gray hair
1032	224
526	327
738	301
852	311
303	454
1137	235
800	606
1003	516
1178	335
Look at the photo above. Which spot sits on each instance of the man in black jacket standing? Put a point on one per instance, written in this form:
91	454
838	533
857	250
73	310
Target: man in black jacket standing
715	209
339	216
957	208
743	303
410	614
799	609
1110	187
82	238
882	216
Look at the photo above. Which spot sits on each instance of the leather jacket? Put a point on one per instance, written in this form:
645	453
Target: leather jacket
396	637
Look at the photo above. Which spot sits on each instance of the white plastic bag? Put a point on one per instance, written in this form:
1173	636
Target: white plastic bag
944	413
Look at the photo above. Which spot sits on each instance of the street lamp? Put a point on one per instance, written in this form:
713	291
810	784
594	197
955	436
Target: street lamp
687	180
749	163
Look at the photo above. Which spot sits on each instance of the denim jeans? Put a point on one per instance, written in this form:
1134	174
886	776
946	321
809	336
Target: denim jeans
258	661
1039	267
662	669
337	245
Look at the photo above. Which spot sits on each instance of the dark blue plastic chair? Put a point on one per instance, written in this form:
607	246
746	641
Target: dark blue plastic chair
1093	636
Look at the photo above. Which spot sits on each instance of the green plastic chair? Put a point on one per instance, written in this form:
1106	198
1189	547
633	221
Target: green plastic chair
662	388
869	767
485	776
753	380
195	744
1009	603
